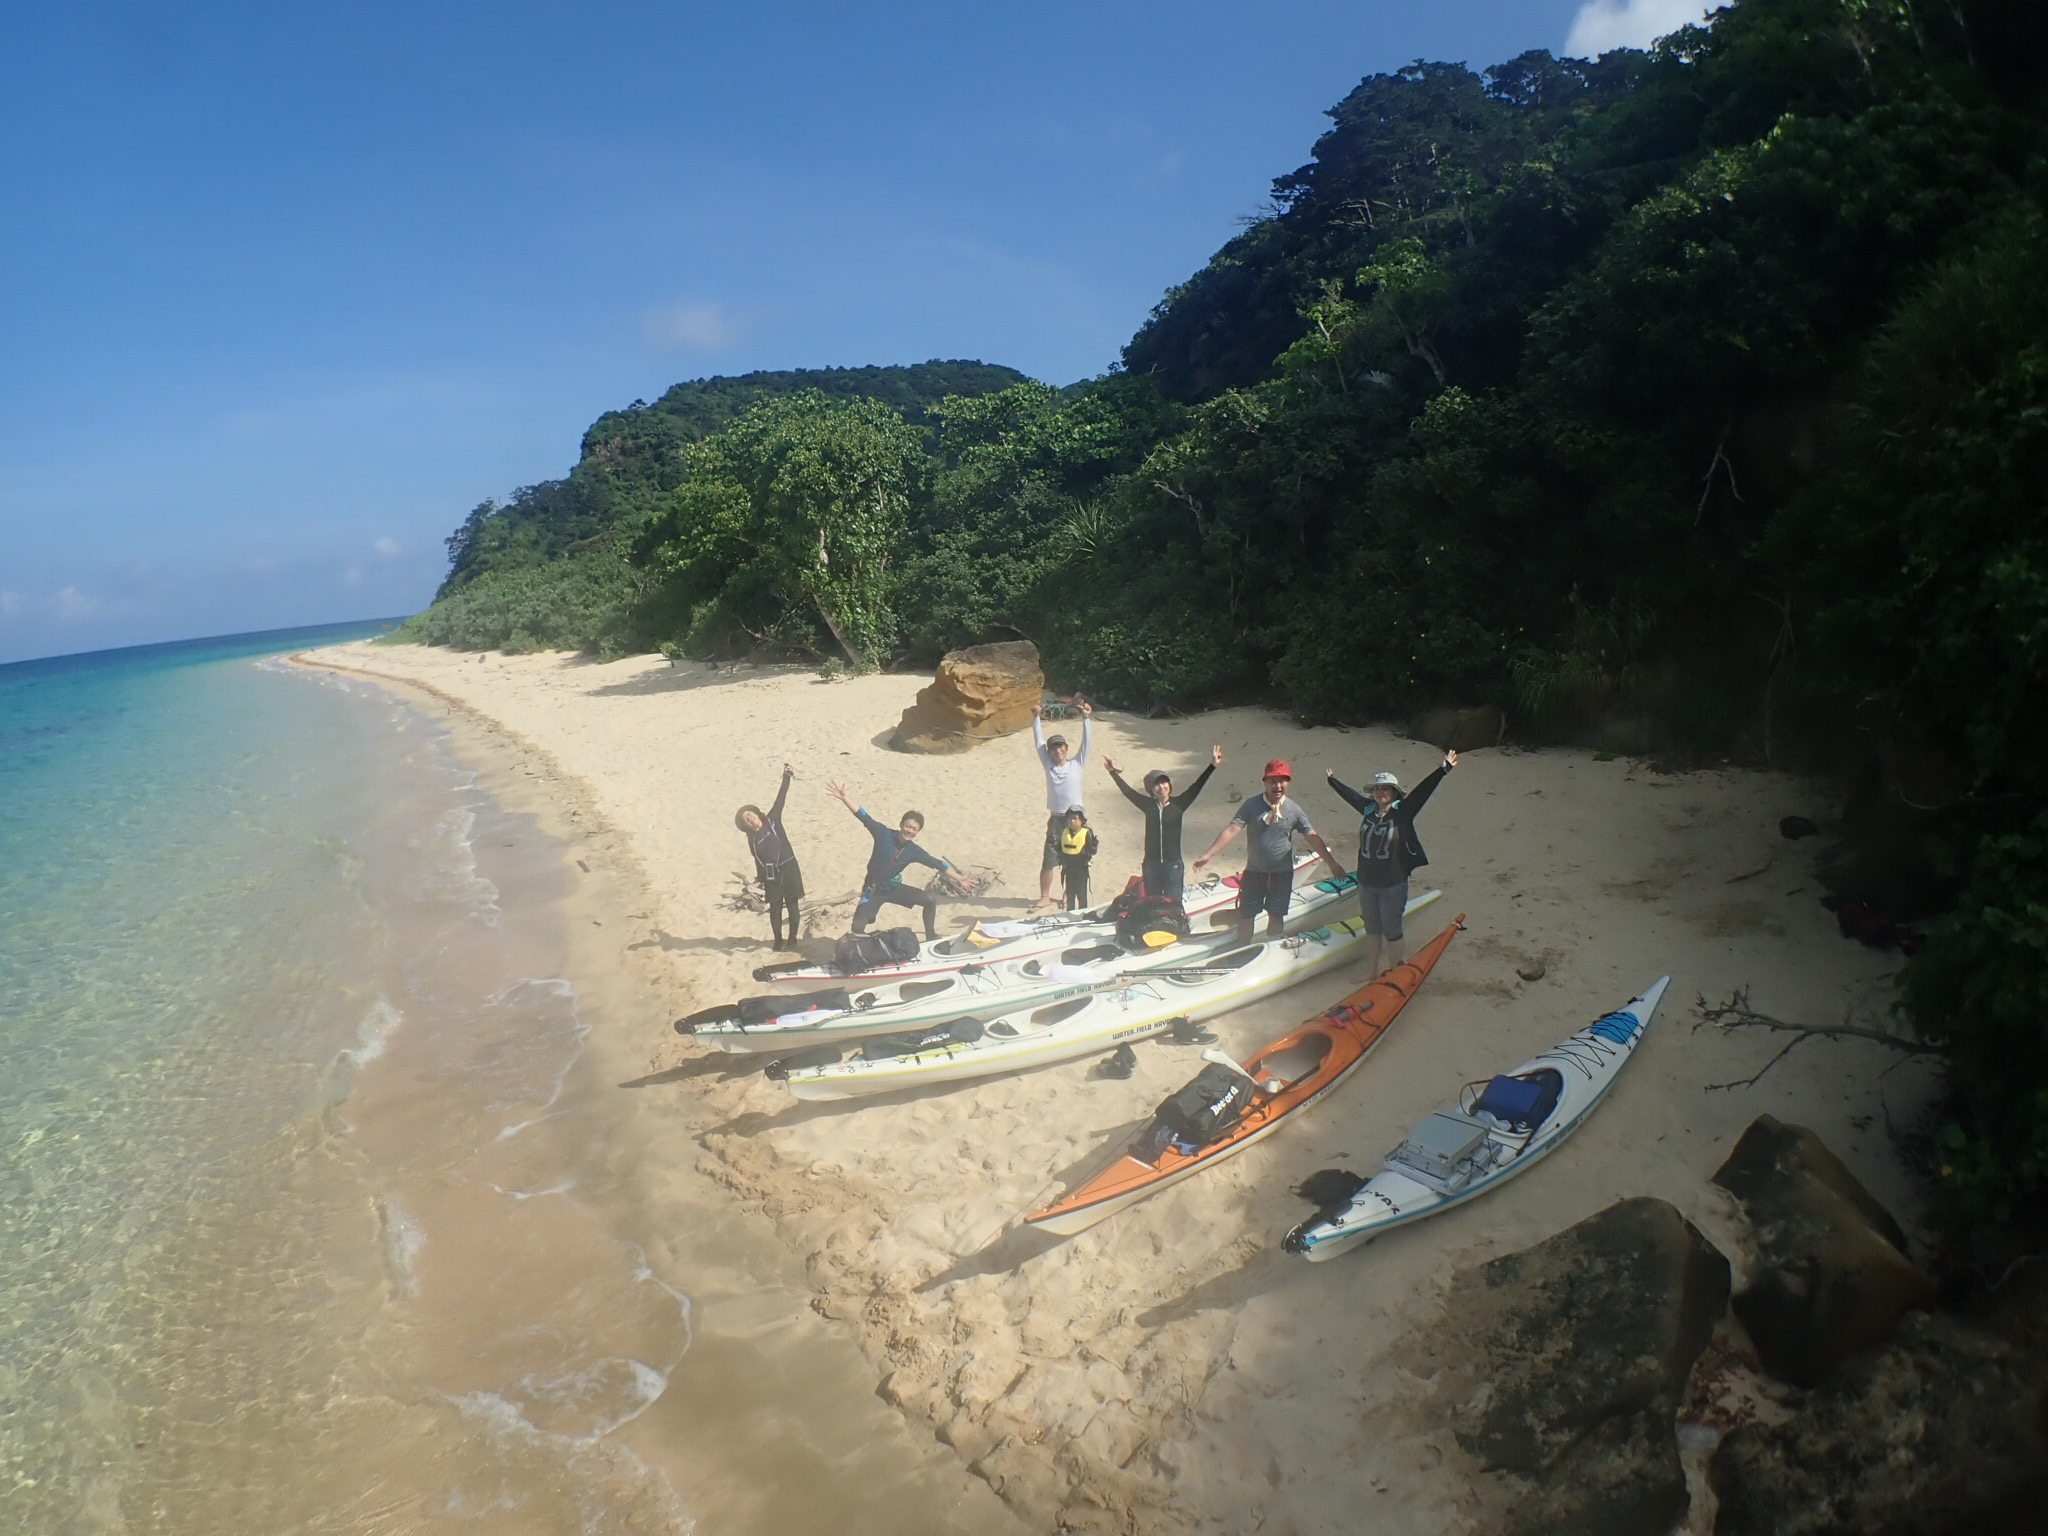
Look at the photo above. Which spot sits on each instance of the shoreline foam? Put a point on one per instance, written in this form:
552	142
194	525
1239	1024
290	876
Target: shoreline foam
1170	1369
820	1441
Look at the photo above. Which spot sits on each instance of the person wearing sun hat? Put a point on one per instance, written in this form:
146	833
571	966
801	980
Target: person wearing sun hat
1388	852
1267	884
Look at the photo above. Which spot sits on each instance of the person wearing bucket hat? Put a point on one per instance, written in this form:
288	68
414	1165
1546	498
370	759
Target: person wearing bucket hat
1267	884
775	865
1388	852
1161	872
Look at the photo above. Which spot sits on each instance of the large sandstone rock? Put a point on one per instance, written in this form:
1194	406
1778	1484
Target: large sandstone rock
978	694
1942	1430
1832	1275
1568	1362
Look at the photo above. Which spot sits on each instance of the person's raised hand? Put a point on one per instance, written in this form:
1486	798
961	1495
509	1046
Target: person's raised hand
788	772
1109	762
1216	756
1087	709
836	790
1451	756
1037	710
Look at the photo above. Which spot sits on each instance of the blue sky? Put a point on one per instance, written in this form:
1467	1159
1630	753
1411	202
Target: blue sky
286	290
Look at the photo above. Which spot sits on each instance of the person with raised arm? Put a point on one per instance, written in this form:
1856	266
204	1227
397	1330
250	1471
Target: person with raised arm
775	865
1388	852
895	851
1162	872
1063	773
1267	884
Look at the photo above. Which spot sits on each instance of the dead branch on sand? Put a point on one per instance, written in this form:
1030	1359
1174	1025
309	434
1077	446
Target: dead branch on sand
1736	1013
745	896
964	882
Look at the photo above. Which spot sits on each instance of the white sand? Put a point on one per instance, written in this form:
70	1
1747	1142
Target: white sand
1171	1369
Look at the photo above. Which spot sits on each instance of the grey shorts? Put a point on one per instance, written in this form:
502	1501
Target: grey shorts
1381	907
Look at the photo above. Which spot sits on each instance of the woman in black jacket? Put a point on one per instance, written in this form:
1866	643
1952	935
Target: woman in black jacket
782	881
1388	852
1163	872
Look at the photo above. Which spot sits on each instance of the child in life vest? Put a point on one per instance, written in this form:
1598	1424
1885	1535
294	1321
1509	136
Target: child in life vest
1077	849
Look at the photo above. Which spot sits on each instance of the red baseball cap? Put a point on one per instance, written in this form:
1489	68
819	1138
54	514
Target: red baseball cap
1278	769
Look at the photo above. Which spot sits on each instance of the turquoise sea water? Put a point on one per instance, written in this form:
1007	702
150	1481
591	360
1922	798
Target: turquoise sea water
286	1194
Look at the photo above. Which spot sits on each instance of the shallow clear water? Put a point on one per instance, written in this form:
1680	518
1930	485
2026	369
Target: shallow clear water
290	1227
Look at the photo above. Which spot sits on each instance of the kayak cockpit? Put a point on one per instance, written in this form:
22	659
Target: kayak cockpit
1040	1018
1518	1105
1291	1062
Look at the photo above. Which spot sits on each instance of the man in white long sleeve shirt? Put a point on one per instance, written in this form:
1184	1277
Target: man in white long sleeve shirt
1062	790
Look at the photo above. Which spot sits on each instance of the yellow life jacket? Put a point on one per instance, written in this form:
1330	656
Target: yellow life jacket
1073	840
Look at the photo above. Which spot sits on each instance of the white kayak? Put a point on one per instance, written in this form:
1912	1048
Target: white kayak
982	990
1497	1129
1141	1005
1209	902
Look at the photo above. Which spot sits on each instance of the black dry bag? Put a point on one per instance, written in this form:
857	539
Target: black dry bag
1208	1106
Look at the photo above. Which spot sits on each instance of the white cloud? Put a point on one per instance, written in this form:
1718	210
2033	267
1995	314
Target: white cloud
387	547
1604	24
692	327
60	610
69	605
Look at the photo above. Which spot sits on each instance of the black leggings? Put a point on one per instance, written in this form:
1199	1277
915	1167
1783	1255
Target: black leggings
872	902
783	896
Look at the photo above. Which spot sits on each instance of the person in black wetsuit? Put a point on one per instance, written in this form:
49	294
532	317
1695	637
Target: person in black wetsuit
1162	872
782	880
895	851
1388	852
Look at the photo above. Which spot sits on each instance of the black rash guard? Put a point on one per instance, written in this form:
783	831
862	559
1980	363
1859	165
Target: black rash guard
1162	822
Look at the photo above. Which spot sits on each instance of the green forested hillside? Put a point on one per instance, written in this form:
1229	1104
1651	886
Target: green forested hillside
1696	398
632	458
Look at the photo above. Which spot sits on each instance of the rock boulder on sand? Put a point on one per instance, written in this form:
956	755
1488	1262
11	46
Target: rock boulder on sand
1567	1362
980	693
1831	1276
1943	1428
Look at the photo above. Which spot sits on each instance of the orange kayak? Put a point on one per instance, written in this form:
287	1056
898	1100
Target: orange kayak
1290	1074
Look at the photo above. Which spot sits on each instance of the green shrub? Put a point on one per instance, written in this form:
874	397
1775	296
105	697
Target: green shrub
1980	992
581	604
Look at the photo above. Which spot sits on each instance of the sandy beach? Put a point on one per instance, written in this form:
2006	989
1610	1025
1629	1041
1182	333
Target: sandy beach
1171	1369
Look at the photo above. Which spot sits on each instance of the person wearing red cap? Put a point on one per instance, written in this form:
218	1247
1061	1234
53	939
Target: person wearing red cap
1267	884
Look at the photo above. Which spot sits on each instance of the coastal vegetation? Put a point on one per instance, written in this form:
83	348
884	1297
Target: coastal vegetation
1692	399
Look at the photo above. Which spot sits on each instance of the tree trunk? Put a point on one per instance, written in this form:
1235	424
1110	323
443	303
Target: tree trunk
853	658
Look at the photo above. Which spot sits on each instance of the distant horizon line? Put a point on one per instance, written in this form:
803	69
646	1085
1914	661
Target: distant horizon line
244	634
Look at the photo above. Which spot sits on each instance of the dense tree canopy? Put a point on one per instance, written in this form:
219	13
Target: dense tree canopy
1695	397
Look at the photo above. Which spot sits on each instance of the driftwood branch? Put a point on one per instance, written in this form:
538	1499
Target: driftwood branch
1736	1013
743	894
